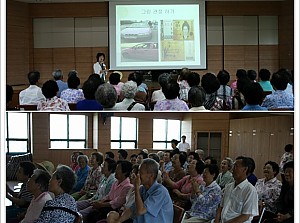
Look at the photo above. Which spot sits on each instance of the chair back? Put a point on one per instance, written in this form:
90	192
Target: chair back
72	106
78	218
178	213
27	107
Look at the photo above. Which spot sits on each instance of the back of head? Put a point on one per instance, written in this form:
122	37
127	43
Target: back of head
129	89
67	177
72	73
89	88
73	82
50	89
223	77
241	73
193	79
163	79
28	168
114	78
252	75
289	148
110	154
123	153
264	74
57	74
33	77
253	93
196	96
171	89
210	83
96	78
106	95
242	83
136	77
280	79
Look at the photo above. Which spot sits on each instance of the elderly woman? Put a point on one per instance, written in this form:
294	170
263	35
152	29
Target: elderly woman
93	179
107	96
52	103
268	188
225	177
115	80
158	95
205	199
182	189
38	186
82	173
72	94
63	207
128	91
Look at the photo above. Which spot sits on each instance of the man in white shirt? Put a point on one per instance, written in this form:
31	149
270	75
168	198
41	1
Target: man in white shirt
240	201
33	94
184	146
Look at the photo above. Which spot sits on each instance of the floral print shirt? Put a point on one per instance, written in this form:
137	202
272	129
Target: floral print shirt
171	105
72	95
53	104
286	157
184	88
279	99
205	205
268	192
93	179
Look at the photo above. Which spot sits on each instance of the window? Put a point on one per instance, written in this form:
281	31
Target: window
164	131
123	133
18	132
210	143
68	131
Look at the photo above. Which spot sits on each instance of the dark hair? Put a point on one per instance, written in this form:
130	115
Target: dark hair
196	155
112	164
253	93
28	168
73	73
196	96
57	74
114	78
241	83
33	77
133	156
145	155
135	168
163	79
251	74
185	23
280	80
89	88
137	77
99	157
288	147
73	82
42	178
9	93
96	78
289	164
246	162
241	73
67	177
123	153
126	167
50	89
99	55
171	90
213	169
193	79
223	77
212	159
110	154
182	159
154	156
210	83
264	74
274	165
200	166
106	95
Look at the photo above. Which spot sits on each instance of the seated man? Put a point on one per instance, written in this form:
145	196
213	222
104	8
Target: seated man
152	200
240	200
33	94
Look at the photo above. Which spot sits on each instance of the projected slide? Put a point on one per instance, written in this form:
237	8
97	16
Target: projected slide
165	36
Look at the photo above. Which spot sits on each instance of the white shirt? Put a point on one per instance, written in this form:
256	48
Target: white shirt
31	95
98	69
184	146
158	95
123	105
200	108
238	200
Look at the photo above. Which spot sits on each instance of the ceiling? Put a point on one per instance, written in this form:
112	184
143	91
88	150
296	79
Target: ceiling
69	1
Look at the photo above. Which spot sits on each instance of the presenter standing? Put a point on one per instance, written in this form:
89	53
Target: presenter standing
99	66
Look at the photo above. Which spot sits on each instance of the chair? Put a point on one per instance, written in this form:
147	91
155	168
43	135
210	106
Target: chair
78	218
72	106
27	107
178	213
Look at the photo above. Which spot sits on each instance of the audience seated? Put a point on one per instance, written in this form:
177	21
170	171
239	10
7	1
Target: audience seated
238	100
89	103
177	172
52	103
72	94
279	98
210	160
107	96
184	86
22	199
109	154
133	159
122	154
115	80
63	206
251	177
264	76
104	187
239	201
158	95
58	77
252	75
33	94
240	73
93	178
254	96
172	102
287	156
196	98
137	77
141	156
152	200
205	198
117	195
166	163
82	172
225	177
74	164
129	90
224	92
38	186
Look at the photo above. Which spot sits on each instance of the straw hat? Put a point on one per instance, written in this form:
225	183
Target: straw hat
47	166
